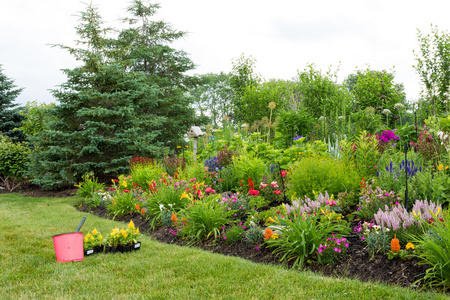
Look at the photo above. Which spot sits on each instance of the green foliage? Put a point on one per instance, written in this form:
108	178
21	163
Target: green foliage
431	186
433	59
168	197
205	219
255	101
14	158
118	103
372	200
249	167
89	186
234	234
321	174
122	203
242	76
293	123
144	174
376	89
254	234
433	249
378	242
212	97
362	154
300	237
365	120
10	118
36	117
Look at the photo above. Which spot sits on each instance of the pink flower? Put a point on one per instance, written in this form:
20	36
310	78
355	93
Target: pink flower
126	191
210	190
274	184
363	238
262	185
253	192
346	245
320	250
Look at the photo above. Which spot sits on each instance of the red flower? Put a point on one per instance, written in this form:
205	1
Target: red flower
283	173
250	184
277	192
126	191
253	192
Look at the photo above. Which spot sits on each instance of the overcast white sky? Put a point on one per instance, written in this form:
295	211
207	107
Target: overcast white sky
283	36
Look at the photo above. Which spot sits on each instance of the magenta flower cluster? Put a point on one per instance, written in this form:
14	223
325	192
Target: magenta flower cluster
387	136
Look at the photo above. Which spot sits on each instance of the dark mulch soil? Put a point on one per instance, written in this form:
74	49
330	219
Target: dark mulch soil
356	264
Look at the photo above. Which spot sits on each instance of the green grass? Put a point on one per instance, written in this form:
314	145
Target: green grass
29	269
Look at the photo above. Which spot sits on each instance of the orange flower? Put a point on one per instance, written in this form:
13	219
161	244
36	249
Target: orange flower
138	207
143	211
268	233
174	218
395	244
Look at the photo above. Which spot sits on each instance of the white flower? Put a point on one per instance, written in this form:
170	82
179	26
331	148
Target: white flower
170	205
321	118
398	106
387	230
386	112
161	207
341	118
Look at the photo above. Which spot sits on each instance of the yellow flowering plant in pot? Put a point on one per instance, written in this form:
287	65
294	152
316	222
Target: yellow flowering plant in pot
92	242
123	240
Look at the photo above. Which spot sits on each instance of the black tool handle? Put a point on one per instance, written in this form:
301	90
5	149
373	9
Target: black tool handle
81	224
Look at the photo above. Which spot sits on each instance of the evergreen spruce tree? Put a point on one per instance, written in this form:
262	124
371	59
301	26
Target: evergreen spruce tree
148	50
114	106
10	118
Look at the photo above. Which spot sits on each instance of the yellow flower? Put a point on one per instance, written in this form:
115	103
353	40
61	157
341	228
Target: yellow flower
441	166
94	232
124	184
115	231
100	237
187	146
131	224
184	195
88	235
409	246
178	147
137	230
274	235
124	233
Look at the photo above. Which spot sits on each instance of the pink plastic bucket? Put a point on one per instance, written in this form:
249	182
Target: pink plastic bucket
69	246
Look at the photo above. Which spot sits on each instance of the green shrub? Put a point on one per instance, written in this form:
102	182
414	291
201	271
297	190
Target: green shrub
13	163
321	174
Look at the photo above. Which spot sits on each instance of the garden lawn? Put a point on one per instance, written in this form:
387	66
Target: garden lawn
158	271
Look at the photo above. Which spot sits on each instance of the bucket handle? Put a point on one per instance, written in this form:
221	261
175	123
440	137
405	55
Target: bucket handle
81	224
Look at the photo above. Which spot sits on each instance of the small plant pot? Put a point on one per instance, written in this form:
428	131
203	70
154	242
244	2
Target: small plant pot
110	249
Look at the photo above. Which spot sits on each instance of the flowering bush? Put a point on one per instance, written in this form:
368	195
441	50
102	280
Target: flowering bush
238	203
378	240
233	234
386	139
403	223
429	147
373	200
332	249
321	204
